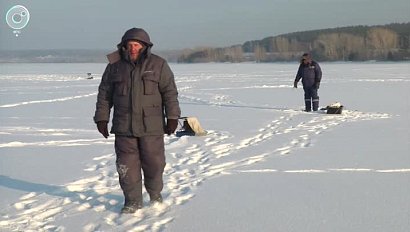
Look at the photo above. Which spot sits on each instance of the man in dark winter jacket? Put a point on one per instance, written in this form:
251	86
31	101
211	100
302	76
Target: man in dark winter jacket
311	74
140	87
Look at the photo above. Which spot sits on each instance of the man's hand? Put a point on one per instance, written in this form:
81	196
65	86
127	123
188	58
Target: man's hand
102	127
317	84
295	84
171	126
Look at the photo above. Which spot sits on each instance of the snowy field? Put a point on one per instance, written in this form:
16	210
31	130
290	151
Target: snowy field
265	165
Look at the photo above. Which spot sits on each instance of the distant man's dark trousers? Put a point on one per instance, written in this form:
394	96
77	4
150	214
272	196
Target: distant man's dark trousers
133	154
311	98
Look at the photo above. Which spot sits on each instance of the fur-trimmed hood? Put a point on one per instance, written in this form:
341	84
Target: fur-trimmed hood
137	34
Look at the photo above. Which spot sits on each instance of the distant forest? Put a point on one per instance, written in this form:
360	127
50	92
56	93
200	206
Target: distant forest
356	43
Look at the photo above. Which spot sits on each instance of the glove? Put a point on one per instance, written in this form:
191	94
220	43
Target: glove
317	84
295	84
102	127
171	126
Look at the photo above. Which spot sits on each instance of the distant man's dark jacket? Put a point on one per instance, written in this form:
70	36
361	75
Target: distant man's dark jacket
311	75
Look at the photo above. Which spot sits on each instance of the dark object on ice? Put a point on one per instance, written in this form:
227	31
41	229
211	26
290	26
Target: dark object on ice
335	108
89	76
190	127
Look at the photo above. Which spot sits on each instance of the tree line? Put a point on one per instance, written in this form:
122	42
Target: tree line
356	43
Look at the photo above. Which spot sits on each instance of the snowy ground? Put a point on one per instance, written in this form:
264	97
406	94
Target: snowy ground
265	165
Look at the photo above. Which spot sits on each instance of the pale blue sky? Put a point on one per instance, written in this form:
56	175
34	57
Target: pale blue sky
175	24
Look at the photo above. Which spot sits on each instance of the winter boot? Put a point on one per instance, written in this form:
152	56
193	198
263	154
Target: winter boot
155	198
315	104
308	105
133	197
131	207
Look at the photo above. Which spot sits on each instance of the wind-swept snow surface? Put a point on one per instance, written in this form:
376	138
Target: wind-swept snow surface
265	165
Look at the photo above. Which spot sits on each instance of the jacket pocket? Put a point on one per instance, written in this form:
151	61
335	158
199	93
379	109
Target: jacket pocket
153	119
120	120
150	83
119	84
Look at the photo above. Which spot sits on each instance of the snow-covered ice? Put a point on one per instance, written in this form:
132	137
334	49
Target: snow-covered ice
265	165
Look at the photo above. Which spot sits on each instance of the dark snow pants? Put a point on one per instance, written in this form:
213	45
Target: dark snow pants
311	98
136	153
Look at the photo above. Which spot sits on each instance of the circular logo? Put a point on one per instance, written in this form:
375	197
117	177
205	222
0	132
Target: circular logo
17	17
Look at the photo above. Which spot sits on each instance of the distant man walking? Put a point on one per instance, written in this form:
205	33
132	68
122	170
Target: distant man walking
311	74
141	88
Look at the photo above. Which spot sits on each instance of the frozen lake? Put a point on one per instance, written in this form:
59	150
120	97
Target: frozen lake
265	165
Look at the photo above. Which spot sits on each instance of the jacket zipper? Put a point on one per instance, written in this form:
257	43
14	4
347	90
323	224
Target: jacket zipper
131	104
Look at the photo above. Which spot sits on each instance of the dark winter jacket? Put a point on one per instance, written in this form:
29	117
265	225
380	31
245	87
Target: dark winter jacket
310	73
142	94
